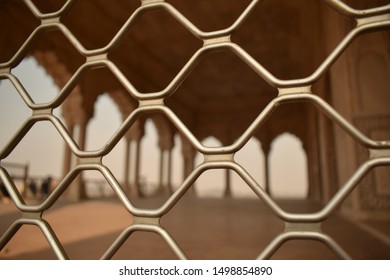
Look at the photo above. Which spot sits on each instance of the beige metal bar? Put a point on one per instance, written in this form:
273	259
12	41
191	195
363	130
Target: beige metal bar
40	15
285	236
346	10
298	226
147	228
46	230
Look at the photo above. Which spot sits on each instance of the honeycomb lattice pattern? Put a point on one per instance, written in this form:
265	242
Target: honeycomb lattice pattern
306	226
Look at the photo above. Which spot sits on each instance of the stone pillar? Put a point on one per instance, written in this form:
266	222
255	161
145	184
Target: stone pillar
188	153
267	186
161	174
169	171
165	145
137	162
127	166
133	158
344	149
80	187
228	187
311	149
132	167
266	147
165	180
76	190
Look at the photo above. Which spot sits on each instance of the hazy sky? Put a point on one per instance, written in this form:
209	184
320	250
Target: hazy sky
42	148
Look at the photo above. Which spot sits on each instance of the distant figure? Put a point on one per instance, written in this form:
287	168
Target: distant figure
45	187
3	190
33	187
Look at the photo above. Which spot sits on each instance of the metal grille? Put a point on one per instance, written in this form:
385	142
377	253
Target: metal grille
297	226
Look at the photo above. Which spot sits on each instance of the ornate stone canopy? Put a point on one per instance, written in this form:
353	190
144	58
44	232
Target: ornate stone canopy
157	47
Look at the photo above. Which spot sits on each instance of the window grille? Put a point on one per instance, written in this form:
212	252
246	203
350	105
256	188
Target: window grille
297	226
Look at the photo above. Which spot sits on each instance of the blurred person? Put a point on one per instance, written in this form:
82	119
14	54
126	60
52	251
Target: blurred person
4	192
45	187
33	187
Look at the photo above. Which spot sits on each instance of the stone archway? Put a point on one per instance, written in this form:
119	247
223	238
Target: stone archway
288	168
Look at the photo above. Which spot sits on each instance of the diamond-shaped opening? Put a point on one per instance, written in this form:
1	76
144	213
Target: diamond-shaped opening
359	4
220	100
52	61
28	243
284	36
214	228
363	238
145	246
211	15
16	24
49	6
99	98
319	162
160	46
87	229
150	141
13	111
37	157
94	23
304	250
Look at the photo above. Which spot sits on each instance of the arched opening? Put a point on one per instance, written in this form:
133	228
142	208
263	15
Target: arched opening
103	125
29	72
288	168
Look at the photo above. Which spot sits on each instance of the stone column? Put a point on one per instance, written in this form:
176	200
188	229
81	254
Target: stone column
133	159
188	153
266	147
312	149
137	162
161	174
81	142
166	145
169	171
165	180
267	186
228	190
127	166
76	190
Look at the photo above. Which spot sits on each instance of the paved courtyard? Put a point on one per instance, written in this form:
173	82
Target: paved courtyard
203	228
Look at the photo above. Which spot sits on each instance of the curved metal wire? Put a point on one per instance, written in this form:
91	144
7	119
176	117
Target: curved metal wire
220	157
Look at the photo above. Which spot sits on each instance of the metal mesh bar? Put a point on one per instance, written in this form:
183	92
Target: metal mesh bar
298	226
